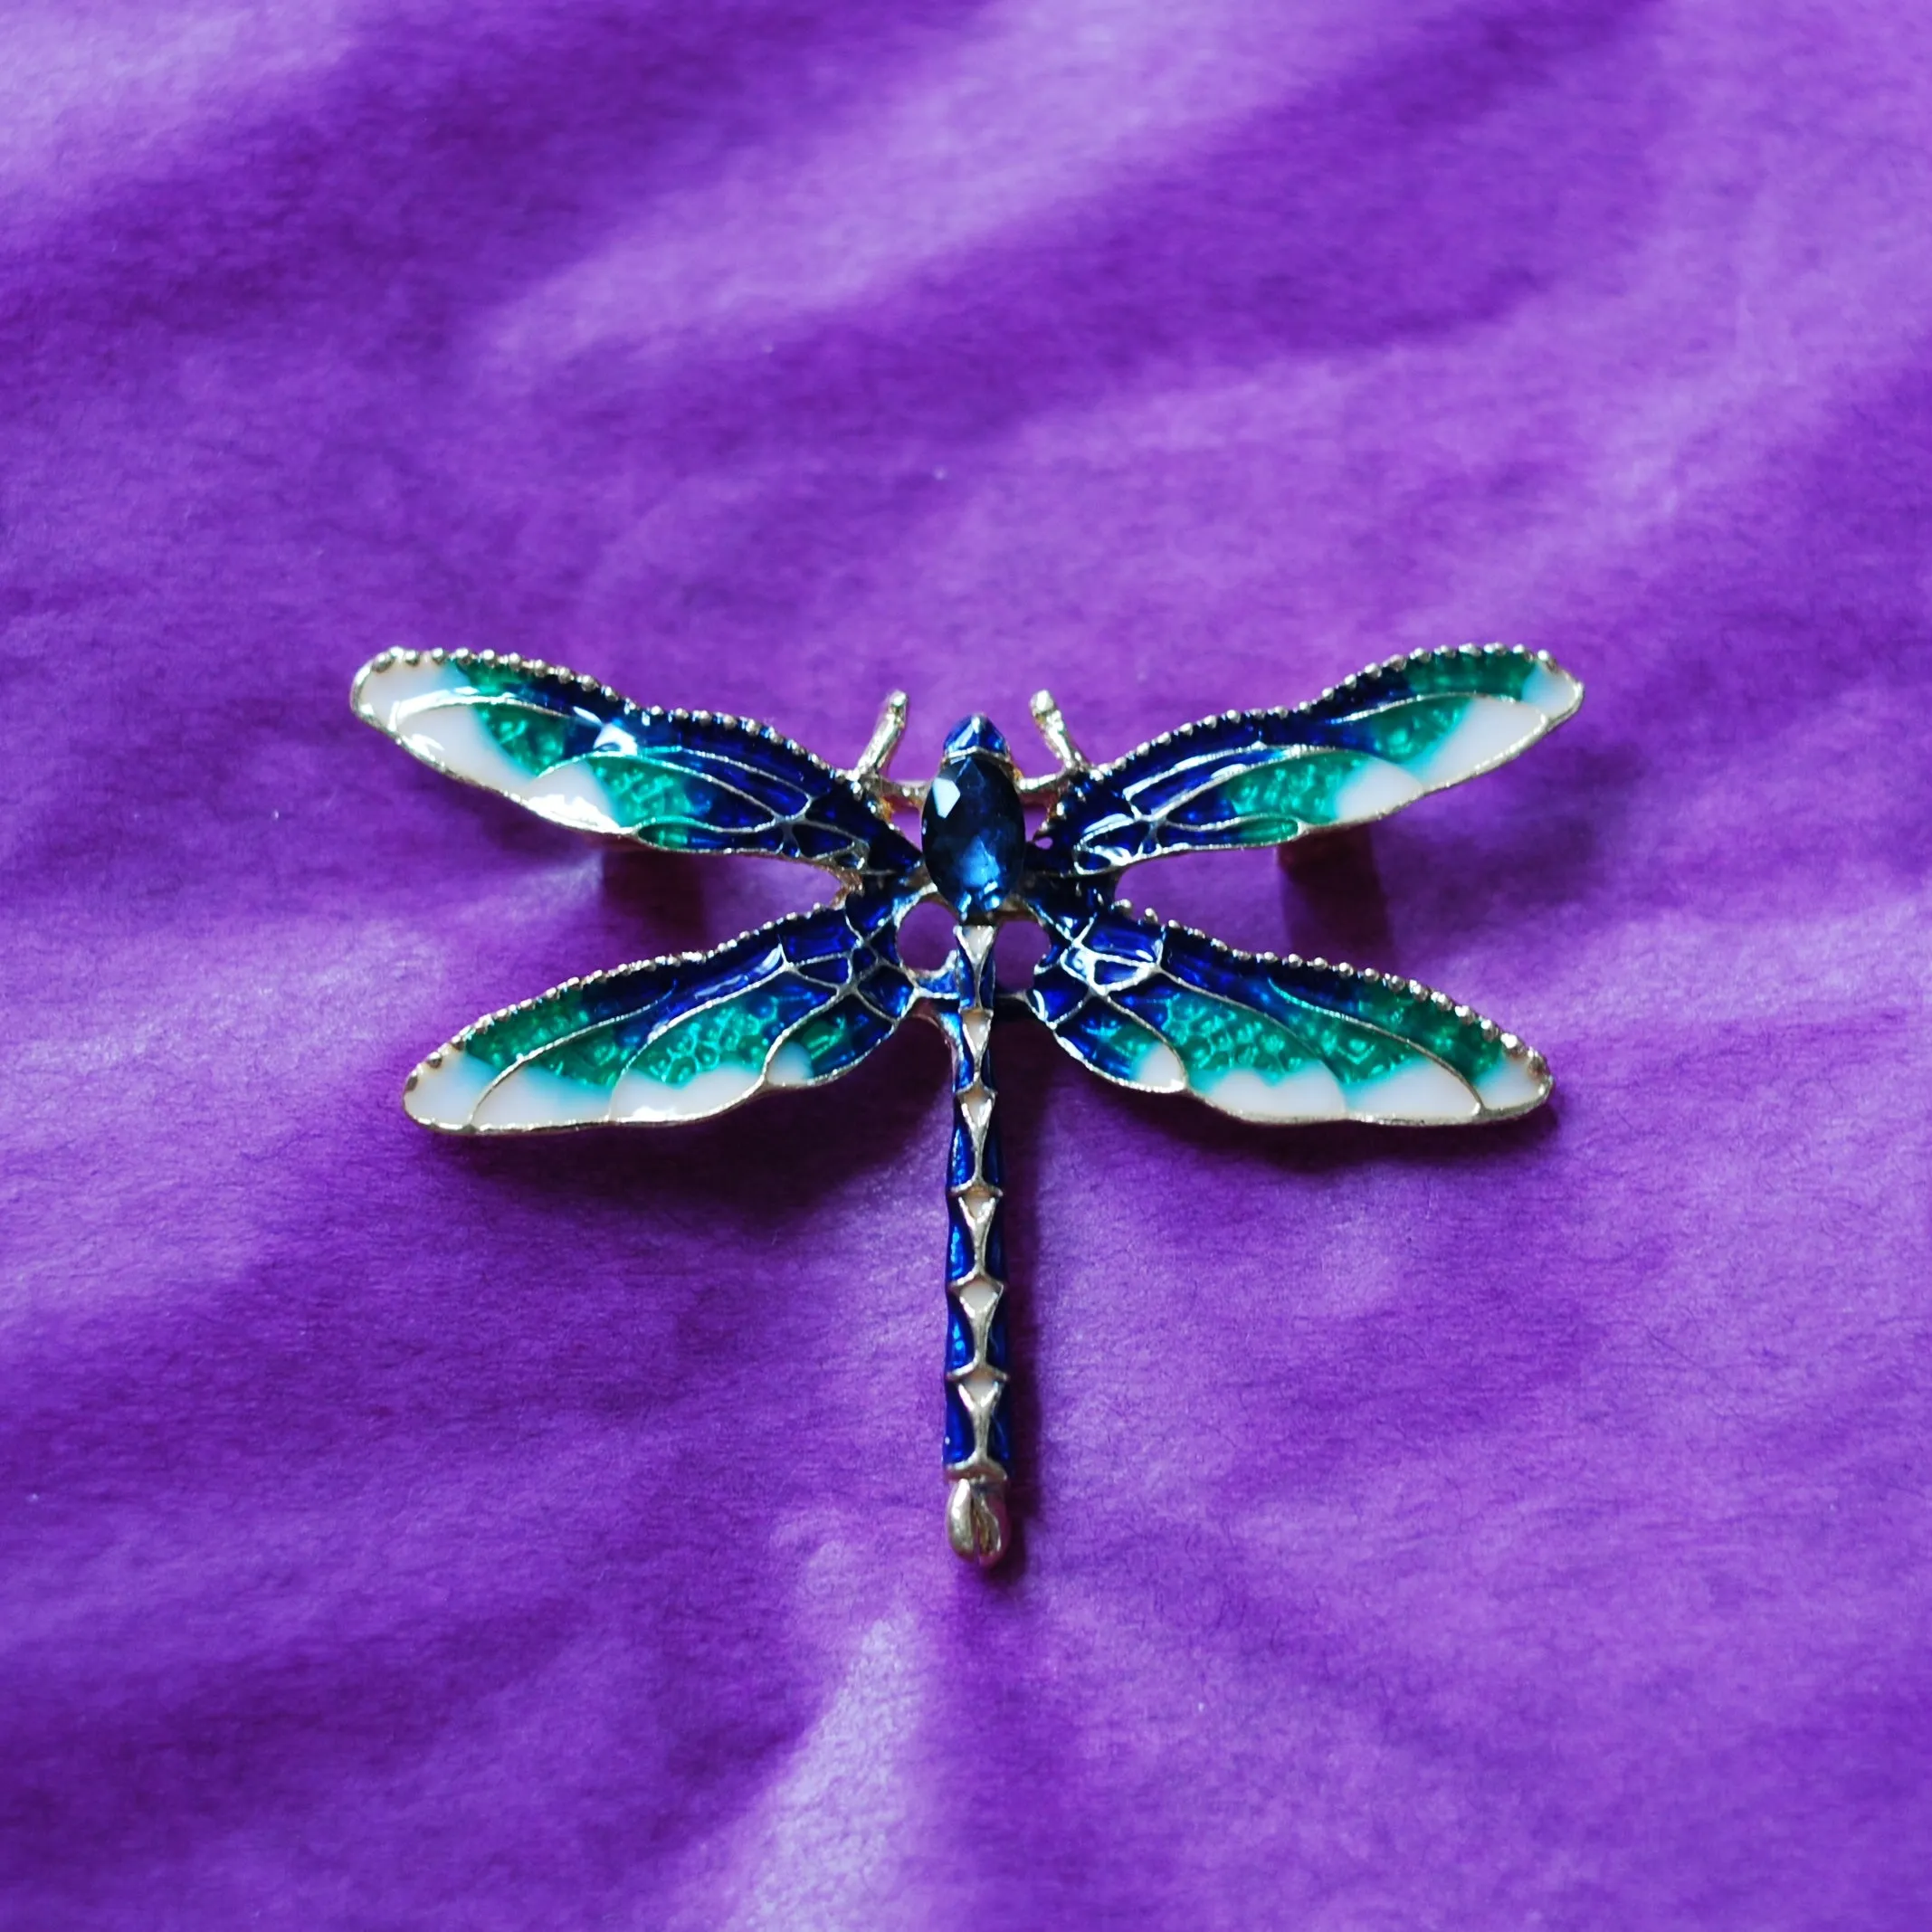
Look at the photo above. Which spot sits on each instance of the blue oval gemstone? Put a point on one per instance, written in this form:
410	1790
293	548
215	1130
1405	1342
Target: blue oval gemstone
974	833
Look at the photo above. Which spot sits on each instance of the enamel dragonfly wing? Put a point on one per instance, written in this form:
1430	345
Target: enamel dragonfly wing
1153	1006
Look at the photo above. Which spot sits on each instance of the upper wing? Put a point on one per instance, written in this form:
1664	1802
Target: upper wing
1387	735
791	1005
1171	1011
573	750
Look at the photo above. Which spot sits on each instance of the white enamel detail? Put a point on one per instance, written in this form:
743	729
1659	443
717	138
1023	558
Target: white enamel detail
1490	730
637	1097
1375	791
1419	1093
432	711
976	1108
454	737
1511	1085
570	794
978	1295
1161	1070
791	1066
1309	1093
977	1205
1554	692
981	1390
381	693
445	1094
534	1097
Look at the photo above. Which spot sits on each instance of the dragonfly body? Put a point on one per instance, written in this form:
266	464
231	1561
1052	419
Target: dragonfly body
797	1003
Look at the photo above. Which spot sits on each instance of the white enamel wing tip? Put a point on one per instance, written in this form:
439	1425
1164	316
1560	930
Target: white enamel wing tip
644	1102
1515	1084
456	1093
1377	789
444	1091
392	679
1552	690
1490	731
1421	1094
1309	1093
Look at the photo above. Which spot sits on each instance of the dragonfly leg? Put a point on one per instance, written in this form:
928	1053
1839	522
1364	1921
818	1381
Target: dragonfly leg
870	770
978	1446
885	737
1068	756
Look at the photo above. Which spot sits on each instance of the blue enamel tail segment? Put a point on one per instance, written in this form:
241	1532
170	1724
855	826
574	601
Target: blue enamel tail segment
978	1447
1168	1009
793	1003
572	750
1361	750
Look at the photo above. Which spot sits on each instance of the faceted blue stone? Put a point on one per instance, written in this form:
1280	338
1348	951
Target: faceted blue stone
958	1429
974	830
976	733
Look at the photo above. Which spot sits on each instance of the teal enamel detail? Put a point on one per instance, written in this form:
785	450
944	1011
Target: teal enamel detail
739	1032
840	1036
1466	673
1405	733
662	806
534	739
1116	1042
1272	802
523	1032
1215	1037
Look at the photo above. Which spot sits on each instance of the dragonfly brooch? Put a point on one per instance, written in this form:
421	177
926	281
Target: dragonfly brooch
1156	1007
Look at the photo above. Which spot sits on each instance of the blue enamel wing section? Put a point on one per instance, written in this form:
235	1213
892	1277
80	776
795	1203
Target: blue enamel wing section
1167	1010
1360	751
574	751
793	1003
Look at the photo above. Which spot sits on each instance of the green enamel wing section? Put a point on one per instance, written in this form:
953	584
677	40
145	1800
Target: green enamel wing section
792	1004
576	753
1170	1011
1372	745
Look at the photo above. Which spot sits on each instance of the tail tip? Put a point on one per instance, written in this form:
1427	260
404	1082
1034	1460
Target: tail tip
977	1523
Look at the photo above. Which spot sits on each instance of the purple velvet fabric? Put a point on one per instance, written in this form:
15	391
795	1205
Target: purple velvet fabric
1507	1528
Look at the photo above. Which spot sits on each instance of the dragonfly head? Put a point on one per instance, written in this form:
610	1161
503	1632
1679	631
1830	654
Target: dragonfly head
974	828
977	733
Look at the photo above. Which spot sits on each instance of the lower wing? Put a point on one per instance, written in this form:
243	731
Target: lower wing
793	1003
1167	1010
